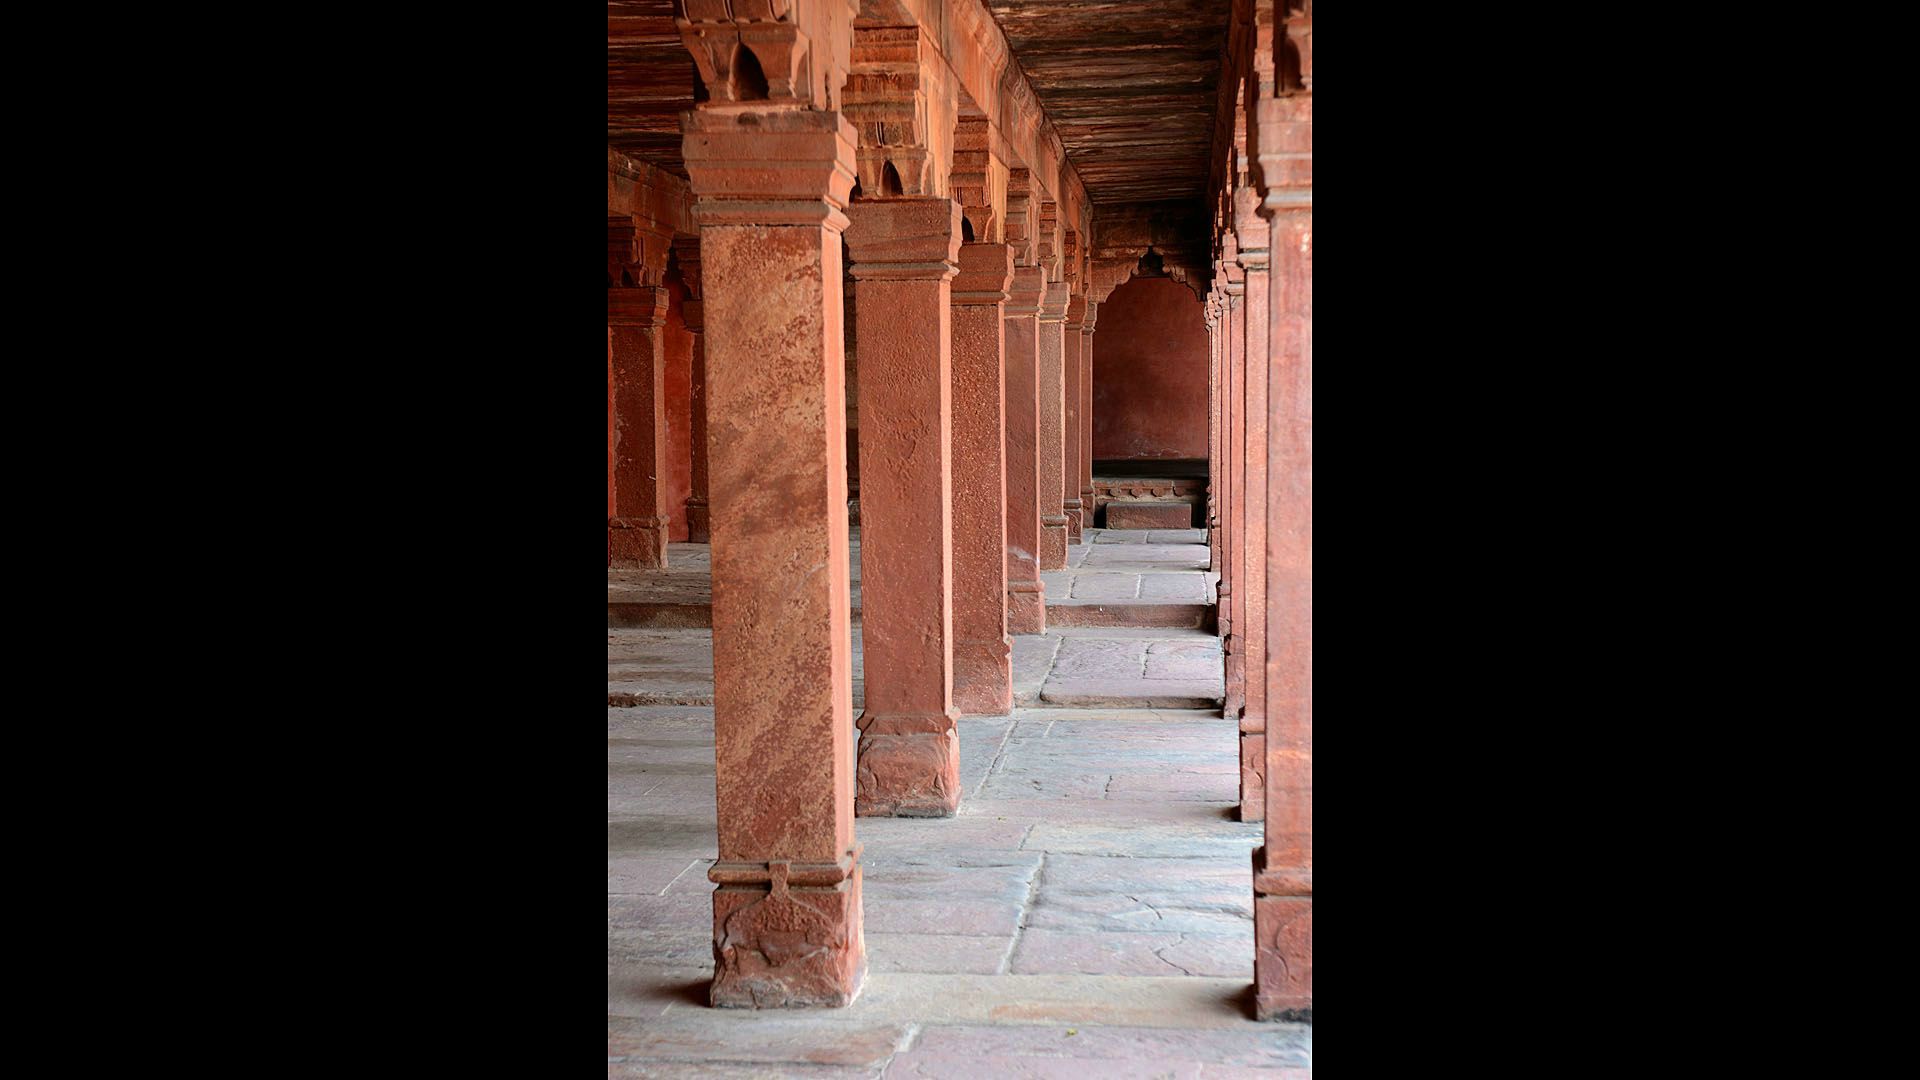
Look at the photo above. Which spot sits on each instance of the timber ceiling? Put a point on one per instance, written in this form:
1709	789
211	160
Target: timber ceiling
1128	84
649	82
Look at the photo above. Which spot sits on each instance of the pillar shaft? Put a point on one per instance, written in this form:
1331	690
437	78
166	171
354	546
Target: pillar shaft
686	253
637	530
1236	529
1216	393
1087	502
904	257
982	650
1026	594
1283	878
1253	611
1053	426
787	923
1071	375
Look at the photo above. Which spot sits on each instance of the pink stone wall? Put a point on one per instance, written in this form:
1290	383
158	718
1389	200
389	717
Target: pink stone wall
1150	374
677	342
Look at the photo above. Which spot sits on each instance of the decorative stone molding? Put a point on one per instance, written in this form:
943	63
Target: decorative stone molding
900	103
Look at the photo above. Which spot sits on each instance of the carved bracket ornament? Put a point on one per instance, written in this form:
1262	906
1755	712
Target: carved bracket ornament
636	257
768	52
898	101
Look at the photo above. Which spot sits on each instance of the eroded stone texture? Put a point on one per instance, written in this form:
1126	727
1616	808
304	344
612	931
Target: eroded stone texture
1026	599
1051	438
982	650
771	195
905	253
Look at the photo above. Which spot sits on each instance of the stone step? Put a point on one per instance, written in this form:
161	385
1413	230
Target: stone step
1136	613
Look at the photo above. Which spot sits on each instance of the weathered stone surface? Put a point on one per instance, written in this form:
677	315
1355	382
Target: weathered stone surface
1279	1046
982	656
1143	953
1148	515
769	1039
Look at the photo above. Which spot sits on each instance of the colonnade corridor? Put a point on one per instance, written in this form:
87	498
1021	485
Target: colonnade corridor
1085	912
959	538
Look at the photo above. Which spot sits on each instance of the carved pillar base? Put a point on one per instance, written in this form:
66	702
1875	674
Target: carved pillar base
1253	776
1282	942
637	543
905	772
787	935
1076	521
1026	607
699	530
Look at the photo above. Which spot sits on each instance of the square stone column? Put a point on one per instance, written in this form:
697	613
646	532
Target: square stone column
982	650
686	253
1236	527
786	913
1026	594
1283	868
1050	377
637	530
1251	629
1088	507
905	253
1071	375
1216	394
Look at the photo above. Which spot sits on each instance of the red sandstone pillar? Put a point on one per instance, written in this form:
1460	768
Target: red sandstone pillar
686	252
1026	595
1052	434
1251	628
1070	341
1283	869
1216	394
637	530
1088	505
786	914
982	651
610	438
1236	348
904	257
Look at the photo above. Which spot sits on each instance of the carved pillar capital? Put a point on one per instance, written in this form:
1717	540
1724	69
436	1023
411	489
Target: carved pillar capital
1024	293
1053	303
790	167
986	270
904	239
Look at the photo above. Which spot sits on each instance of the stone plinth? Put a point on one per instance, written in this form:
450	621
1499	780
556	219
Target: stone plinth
787	919
1149	515
1026	597
904	255
982	651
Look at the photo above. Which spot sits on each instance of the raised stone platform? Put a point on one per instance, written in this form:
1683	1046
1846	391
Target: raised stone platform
1149	515
1134	577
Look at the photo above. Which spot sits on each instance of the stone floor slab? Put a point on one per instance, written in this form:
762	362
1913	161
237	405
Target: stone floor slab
1144	953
